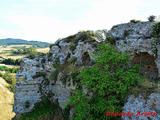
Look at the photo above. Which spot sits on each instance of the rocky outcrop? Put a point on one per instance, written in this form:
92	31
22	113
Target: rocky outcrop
46	75
52	75
142	105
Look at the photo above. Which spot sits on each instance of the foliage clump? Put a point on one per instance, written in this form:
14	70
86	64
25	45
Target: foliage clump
107	81
10	61
10	79
10	70
151	18
110	39
156	38
134	21
72	46
156	30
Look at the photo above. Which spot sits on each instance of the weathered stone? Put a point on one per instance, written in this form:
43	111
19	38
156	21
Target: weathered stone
142	105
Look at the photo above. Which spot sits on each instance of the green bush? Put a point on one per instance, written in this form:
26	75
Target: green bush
11	80
50	46
110	40
109	80
156	30
10	70
10	61
134	21
72	47
151	18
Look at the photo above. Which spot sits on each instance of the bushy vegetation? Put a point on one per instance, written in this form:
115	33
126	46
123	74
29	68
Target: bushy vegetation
156	30
10	70
107	81
151	18
10	79
10	61
110	40
9	76
134	21
156	35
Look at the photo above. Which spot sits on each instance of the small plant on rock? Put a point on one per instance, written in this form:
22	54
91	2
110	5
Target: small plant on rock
156	30
152	18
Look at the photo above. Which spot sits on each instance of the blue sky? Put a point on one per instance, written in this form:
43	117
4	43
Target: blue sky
49	20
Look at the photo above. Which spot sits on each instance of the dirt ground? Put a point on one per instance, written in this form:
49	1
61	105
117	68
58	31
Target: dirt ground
6	101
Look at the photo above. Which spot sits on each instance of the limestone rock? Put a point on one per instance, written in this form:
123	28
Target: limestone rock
142	105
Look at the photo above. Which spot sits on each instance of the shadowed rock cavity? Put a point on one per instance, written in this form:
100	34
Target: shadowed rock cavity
86	58
147	63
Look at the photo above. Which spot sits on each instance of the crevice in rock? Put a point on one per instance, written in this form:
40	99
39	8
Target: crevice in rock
86	59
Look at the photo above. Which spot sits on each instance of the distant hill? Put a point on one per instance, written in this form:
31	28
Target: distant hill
11	41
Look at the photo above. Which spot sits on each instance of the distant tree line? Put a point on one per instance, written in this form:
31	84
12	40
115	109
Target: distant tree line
10	41
25	50
10	61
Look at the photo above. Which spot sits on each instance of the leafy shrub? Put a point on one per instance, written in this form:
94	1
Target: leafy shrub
72	60
156	39
110	40
109	80
10	61
10	70
54	75
11	80
72	47
151	18
134	21
156	30
50	46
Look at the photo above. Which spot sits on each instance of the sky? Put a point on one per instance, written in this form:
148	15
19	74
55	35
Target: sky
49	20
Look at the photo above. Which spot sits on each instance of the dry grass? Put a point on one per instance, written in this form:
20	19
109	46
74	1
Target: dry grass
6	52
6	101
43	50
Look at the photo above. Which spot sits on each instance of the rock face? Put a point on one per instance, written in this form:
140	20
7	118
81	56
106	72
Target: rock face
142	105
51	75
39	77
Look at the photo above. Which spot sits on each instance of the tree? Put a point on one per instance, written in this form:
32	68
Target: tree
151	18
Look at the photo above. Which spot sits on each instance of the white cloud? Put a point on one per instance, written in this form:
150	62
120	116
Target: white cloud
42	28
